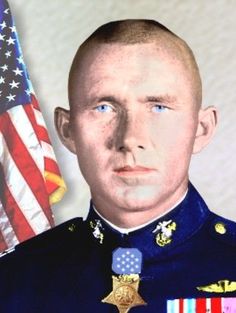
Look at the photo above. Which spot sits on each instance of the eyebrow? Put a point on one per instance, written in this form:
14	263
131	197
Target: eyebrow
159	99
107	99
163	98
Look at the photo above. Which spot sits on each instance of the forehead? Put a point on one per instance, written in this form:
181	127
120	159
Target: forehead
146	65
140	55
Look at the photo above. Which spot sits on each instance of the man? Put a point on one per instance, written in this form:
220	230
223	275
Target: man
149	243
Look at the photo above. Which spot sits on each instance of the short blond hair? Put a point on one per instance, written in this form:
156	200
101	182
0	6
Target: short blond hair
135	31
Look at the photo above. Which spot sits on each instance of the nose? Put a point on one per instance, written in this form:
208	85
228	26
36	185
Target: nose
131	132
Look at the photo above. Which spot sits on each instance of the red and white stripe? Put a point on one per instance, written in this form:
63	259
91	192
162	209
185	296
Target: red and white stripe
25	155
202	305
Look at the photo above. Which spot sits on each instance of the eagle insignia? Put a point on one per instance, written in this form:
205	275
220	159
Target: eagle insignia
219	287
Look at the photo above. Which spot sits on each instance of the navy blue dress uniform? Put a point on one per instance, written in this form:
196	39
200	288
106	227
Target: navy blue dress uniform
183	262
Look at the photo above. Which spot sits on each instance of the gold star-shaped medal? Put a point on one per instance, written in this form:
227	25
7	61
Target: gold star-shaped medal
125	293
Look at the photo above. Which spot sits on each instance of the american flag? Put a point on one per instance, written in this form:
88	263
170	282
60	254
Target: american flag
30	180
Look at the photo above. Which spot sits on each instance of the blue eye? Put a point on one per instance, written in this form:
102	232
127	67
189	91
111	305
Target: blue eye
158	108
104	108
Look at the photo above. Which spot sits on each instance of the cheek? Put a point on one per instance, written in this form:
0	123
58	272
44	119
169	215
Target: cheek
174	139
95	136
89	142
85	134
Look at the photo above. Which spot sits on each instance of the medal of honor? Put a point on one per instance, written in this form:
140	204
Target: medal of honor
127	263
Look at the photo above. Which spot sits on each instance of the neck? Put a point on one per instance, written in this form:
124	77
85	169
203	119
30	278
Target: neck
127	221
124	230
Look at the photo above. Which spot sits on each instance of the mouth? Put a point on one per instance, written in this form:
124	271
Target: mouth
133	170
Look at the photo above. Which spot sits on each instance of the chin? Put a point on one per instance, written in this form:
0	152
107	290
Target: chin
138	198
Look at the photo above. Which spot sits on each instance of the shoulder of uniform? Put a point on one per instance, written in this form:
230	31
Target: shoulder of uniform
222	229
49	240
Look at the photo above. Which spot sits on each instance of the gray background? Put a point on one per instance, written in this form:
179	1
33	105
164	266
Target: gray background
50	32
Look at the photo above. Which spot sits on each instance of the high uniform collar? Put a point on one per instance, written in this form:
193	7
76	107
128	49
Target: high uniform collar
159	237
129	230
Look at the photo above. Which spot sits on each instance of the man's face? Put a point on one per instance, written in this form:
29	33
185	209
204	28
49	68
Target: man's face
133	126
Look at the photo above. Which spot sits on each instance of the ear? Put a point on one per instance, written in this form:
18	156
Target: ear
63	127
207	121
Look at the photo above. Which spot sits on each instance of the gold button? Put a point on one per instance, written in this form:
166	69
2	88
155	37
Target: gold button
220	228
